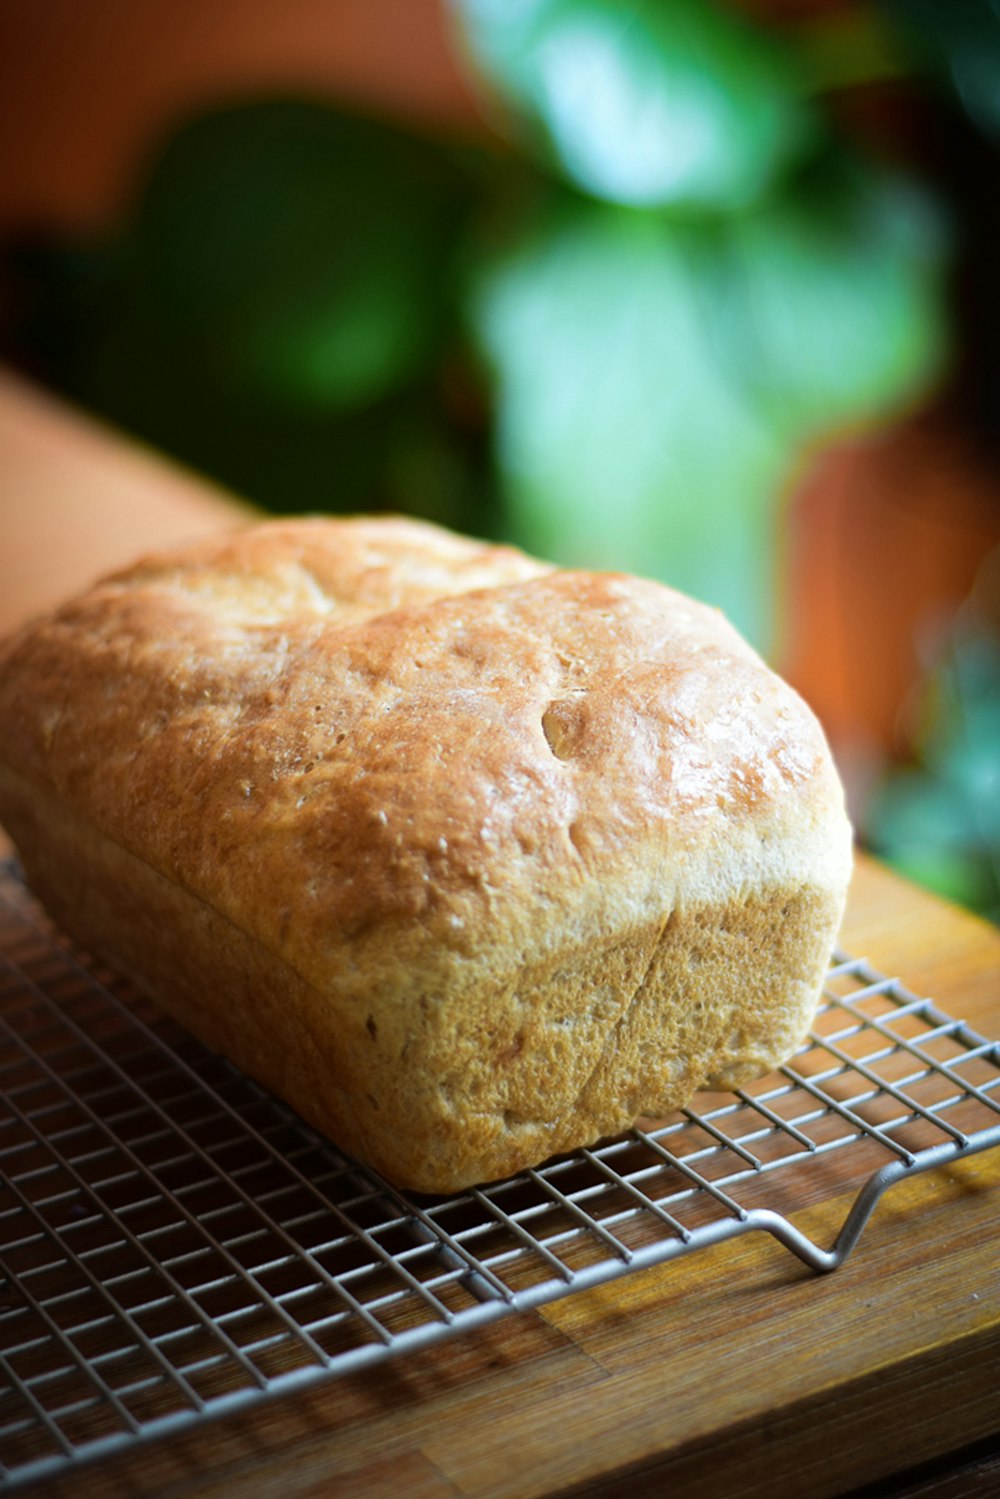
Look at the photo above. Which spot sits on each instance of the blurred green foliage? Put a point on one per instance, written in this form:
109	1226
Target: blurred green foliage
938	819
655	377
279	311
610	339
666	105
960	42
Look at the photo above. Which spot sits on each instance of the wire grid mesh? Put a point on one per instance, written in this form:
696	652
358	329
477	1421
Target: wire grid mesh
174	1243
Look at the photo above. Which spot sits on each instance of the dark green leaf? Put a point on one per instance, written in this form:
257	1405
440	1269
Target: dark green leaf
961	39
643	102
304	255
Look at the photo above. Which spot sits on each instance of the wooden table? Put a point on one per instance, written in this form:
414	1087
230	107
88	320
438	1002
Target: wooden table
733	1371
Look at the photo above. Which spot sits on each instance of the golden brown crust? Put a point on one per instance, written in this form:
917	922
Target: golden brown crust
466	806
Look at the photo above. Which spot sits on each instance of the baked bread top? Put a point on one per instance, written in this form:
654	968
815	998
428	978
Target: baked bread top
373	730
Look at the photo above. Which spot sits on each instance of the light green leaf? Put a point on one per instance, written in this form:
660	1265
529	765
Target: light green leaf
657	378
642	102
827	305
620	441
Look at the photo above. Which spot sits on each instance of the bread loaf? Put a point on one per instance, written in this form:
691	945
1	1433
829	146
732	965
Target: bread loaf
470	859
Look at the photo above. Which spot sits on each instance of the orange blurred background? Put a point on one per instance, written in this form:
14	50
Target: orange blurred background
90	89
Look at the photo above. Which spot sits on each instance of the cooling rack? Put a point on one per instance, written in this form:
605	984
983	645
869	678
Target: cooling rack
175	1244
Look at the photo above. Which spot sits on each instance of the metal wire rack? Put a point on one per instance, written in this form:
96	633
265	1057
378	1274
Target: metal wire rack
176	1244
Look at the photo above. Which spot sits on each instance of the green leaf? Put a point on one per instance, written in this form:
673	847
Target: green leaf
827	305
621	443
403	453
958	876
960	740
915	809
647	103
928	831
939	821
656	378
303	255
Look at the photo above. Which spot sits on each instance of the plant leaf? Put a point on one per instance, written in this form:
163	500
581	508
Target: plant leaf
619	439
642	102
961	40
827	304
927	830
304	254
656	378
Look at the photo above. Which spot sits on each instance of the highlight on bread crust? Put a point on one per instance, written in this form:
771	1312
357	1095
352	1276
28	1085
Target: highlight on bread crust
470	859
